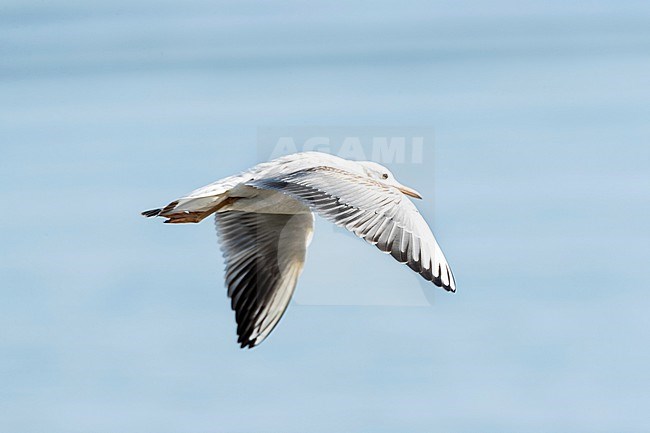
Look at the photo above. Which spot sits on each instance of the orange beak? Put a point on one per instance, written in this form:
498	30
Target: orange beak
409	191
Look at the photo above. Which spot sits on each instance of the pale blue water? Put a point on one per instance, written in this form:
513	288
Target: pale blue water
539	182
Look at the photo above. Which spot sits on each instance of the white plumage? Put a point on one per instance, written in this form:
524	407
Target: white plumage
264	219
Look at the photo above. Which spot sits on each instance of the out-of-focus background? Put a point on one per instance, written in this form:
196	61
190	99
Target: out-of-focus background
537	188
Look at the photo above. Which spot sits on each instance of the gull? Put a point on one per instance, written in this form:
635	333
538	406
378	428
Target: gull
265	220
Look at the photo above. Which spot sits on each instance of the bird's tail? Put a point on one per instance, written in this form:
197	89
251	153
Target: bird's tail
189	210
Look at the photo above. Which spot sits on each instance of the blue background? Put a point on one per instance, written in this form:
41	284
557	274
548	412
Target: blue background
539	187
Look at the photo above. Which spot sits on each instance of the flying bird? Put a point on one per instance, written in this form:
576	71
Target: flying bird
265	220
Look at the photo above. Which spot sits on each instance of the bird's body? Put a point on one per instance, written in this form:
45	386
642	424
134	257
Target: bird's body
265	218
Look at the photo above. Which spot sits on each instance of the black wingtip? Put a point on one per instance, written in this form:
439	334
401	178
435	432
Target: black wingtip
452	281
245	343
151	213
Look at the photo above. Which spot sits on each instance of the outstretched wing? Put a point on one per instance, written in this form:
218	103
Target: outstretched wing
378	213
264	256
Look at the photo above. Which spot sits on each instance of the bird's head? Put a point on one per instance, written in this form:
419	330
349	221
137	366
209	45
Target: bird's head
381	174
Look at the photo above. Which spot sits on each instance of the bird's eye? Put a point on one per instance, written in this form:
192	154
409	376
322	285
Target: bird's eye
384	176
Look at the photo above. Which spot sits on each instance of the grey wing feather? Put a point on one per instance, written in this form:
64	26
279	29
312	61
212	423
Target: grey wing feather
264	256
378	213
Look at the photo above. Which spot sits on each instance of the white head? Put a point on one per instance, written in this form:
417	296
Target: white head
380	173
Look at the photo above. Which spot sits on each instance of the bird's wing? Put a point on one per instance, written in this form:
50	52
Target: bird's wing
264	255
378	213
